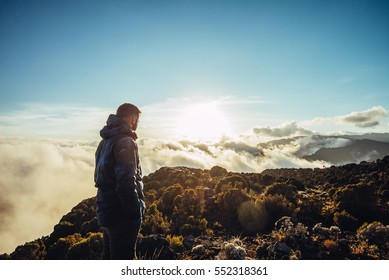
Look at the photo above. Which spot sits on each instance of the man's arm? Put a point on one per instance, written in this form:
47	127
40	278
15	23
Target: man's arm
125	172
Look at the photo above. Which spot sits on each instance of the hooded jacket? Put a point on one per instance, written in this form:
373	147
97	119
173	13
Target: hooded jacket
118	174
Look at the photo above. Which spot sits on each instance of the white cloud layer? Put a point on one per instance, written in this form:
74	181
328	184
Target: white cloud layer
40	182
285	130
364	119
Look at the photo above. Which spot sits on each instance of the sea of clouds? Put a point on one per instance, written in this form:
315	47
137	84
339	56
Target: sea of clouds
43	179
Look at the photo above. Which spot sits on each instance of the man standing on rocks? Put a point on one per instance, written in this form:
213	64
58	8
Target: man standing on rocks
118	177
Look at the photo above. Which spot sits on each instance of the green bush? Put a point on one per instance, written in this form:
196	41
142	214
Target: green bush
253	216
288	191
154	221
277	206
359	200
193	227
176	242
227	206
346	221
34	250
168	196
218	171
60	249
374	233
88	248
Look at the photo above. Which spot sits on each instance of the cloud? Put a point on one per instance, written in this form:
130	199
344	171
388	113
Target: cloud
366	118
305	146
285	130
232	154
40	181
53	120
367	124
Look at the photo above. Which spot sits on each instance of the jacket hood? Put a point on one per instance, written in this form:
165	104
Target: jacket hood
116	125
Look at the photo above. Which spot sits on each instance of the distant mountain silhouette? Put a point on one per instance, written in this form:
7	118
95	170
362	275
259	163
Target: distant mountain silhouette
360	150
380	137
336	149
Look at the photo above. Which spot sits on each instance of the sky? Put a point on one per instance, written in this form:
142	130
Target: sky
212	78
65	65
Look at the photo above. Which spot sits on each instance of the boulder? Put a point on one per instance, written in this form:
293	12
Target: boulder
154	247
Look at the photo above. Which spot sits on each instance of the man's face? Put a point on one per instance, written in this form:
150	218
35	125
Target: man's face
132	121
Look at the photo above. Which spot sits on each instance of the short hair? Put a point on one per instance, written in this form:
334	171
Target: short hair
127	110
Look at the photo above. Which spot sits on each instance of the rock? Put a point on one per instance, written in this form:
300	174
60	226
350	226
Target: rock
295	255
232	250
235	252
262	250
154	247
189	241
198	250
335	230
283	248
284	222
319	229
343	245
279	250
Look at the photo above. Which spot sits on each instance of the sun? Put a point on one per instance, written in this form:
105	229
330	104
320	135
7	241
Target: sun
203	122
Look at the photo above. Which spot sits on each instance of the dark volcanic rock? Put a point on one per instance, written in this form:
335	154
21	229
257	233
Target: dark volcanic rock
155	247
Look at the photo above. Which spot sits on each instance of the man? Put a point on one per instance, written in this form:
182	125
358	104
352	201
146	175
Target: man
118	177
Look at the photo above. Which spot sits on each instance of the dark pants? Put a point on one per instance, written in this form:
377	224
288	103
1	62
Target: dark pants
119	240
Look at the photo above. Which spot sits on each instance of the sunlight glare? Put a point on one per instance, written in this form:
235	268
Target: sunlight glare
203	122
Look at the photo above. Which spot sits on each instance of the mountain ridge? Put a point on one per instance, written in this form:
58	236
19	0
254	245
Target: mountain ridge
362	150
334	149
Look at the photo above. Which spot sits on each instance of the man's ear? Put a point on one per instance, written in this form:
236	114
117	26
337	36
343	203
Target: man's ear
134	119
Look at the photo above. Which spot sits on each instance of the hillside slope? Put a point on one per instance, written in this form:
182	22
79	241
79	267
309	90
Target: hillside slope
331	213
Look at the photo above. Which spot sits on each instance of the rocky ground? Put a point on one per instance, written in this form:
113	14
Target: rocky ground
330	213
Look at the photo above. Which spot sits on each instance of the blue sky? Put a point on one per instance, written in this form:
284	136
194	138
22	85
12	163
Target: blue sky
298	61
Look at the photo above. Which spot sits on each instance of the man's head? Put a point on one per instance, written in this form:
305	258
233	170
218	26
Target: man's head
130	114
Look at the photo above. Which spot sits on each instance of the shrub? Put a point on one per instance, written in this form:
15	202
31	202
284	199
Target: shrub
374	233
277	206
5	256
190	204
253	216
311	209
217	171
331	245
267	179
298	184
34	250
168	197
88	248
176	242
288	191
154	221
193	227
357	199
346	221
60	249
227	205
61	230
89	226
232	250
233	181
